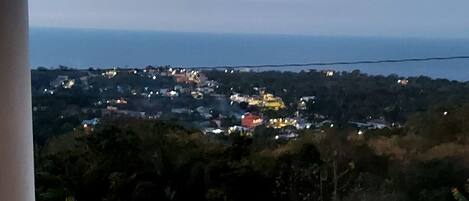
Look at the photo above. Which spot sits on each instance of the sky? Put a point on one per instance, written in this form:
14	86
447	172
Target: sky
380	18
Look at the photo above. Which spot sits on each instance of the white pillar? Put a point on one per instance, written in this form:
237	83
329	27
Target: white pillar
16	142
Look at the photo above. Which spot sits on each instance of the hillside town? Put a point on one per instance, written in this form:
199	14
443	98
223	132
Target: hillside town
186	96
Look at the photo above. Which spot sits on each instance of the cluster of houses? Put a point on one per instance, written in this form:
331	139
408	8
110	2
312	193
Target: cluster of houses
61	81
287	127
264	100
193	83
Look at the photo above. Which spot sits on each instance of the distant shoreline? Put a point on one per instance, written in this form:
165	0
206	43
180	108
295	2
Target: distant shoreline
70	70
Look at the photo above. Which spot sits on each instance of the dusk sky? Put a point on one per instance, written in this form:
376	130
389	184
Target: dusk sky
398	18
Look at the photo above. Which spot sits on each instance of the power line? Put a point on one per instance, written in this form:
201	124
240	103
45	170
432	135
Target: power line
340	62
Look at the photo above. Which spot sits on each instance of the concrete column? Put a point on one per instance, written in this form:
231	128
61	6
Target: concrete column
16	140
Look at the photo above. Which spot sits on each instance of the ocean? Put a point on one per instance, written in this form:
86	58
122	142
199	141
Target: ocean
84	48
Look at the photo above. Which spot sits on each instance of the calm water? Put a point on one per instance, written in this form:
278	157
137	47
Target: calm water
97	48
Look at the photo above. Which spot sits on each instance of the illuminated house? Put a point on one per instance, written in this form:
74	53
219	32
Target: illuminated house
110	73
120	101
403	82
68	84
64	81
197	95
329	73
88	124
189	77
282	123
196	77
60	80
272	102
250	120
239	98
254	101
302	105
308	98
268	101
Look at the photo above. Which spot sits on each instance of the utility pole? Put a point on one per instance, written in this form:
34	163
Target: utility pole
335	179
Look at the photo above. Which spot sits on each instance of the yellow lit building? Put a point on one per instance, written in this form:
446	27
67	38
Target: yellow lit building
268	101
282	123
272	102
255	101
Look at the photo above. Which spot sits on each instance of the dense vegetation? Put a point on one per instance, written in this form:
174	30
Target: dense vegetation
152	160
